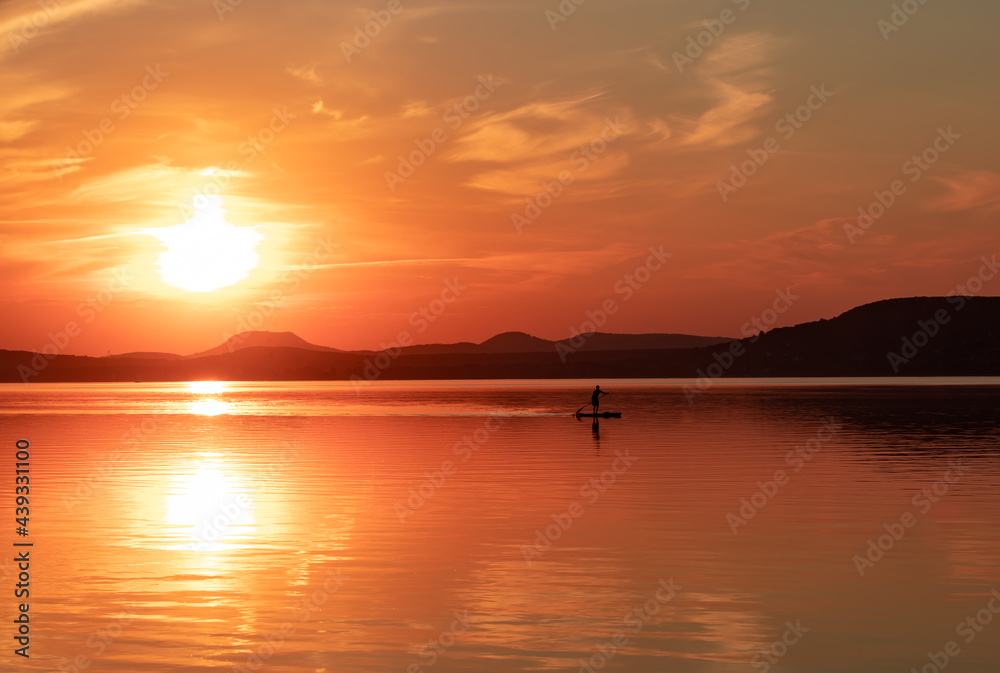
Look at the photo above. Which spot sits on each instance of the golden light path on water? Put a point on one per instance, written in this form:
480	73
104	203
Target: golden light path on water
208	406
211	504
206	387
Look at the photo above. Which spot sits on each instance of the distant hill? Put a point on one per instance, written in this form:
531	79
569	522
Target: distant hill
917	336
514	342
519	342
600	341
263	340
507	342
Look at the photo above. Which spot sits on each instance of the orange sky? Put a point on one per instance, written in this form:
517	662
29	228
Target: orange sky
115	115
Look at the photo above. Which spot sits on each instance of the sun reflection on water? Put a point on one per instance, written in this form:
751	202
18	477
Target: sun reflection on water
210	407
206	387
208	505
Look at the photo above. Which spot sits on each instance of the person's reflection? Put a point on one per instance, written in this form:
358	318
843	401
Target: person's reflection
595	428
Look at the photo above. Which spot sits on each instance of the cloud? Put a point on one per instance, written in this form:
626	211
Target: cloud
125	185
31	18
30	166
737	76
528	179
720	126
21	92
654	60
536	141
12	130
527	269
971	190
319	108
530	131
811	255
305	73
417	108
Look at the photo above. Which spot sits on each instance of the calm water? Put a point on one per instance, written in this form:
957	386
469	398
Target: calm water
476	526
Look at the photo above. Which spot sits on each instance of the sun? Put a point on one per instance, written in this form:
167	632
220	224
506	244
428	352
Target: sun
206	252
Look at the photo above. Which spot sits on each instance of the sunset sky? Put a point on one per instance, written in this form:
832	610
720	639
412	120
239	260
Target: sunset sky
284	118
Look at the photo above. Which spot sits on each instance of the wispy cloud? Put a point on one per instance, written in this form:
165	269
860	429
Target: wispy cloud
23	13
306	73
537	141
737	78
416	109
12	130
970	190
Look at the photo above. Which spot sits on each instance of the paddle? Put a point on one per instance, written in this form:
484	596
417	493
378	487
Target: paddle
585	406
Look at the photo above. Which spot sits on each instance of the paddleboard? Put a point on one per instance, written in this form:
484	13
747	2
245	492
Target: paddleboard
605	414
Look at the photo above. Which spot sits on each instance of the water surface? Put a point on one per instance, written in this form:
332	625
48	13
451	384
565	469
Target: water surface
477	526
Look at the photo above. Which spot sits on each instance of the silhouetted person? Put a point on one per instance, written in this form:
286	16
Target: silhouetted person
595	399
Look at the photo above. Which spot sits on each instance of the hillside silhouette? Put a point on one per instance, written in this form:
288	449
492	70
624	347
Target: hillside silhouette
918	336
246	340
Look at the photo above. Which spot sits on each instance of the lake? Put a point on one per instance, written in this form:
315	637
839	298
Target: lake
795	526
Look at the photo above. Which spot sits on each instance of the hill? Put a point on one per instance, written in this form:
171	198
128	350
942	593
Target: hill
519	342
917	336
245	340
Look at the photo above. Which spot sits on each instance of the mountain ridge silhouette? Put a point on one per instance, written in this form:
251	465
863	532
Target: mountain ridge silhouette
914	336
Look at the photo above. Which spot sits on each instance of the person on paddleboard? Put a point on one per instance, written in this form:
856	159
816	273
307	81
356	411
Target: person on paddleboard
595	399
